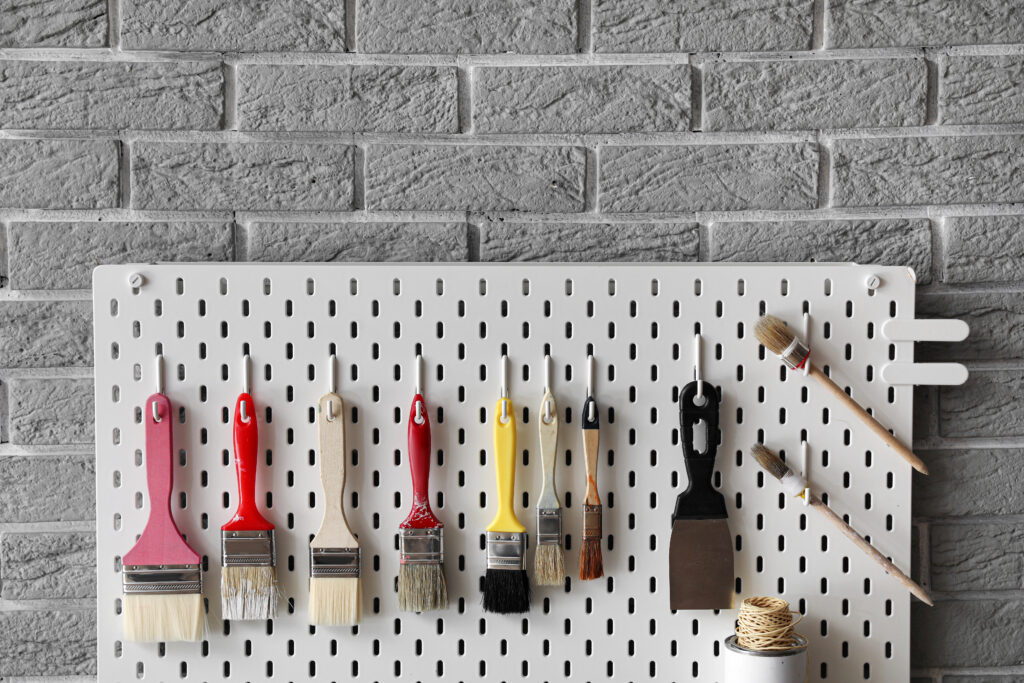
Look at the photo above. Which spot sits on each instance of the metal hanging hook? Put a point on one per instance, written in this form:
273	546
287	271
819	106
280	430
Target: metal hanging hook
807	339
548	414
805	450
591	363
698	368
159	384
504	388
246	384
333	374
419	417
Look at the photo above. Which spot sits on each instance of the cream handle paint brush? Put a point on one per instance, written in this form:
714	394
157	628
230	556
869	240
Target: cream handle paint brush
335	597
773	333
549	560
795	485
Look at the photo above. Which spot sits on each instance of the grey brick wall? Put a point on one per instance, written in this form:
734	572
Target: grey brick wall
679	130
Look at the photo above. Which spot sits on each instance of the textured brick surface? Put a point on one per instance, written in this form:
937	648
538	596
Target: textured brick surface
43	334
62	255
51	411
996	320
47	643
185	95
966	633
789	95
178	175
58	174
976	557
348	98
273	25
983	89
987	405
936	170
53	23
972	482
888	242
460	26
692	178
356	242
48	566
507	241
603	99
701	25
881	23
471	177
32	483
984	249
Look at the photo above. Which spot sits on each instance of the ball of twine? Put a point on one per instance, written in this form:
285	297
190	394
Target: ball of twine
767	624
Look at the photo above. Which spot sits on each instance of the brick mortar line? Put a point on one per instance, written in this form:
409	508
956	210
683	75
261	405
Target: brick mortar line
911	212
55	526
973	443
10	450
668	139
110	54
48	605
973	520
80	372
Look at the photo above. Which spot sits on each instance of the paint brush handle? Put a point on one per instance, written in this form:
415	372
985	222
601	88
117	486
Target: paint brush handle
330	423
870	550
867	419
548	446
246	437
161	542
505	469
421	516
591	442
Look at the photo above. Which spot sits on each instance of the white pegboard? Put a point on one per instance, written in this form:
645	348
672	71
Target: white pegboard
639	320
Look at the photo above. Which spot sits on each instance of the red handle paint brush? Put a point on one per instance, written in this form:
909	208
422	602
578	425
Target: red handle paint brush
248	579
421	581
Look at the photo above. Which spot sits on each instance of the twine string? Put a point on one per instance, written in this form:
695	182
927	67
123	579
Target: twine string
767	625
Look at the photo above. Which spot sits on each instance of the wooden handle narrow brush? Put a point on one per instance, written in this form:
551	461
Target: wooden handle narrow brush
795	354
548	432
591	442
795	485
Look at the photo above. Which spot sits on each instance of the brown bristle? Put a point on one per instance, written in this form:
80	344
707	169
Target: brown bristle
769	460
591	562
773	333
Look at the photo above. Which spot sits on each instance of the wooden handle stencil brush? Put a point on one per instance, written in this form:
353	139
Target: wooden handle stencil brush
161	576
248	578
549	560
506	585
795	485
421	582
784	343
335	596
591	561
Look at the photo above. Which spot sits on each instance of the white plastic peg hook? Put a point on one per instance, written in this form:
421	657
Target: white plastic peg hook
591	364
159	384
698	369
333	374
246	384
419	389
548	416
807	340
805	451
504	388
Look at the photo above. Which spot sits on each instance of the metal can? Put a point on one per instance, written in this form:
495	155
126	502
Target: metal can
746	666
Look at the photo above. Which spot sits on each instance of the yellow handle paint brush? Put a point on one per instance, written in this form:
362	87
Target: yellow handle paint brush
506	584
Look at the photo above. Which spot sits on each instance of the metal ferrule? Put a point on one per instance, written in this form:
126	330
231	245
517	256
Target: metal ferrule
506	550
336	562
247	548
421	546
549	526
795	354
165	579
591	521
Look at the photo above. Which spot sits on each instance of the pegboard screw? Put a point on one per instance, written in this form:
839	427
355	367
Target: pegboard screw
872	282
135	280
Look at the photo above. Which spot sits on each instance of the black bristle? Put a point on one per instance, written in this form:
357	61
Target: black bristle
506	591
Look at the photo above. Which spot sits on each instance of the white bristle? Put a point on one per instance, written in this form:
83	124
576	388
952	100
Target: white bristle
335	601
422	587
248	593
162	617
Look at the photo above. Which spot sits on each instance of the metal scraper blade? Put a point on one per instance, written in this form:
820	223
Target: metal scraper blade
700	560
